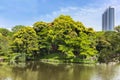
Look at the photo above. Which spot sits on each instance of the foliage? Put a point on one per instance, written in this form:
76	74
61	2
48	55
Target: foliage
117	28
108	46
5	32
25	42
4	47
17	28
65	36
61	39
44	44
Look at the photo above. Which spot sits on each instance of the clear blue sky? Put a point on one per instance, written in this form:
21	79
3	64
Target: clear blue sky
26	12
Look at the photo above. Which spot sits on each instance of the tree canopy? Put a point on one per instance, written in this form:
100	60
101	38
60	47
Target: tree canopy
61	39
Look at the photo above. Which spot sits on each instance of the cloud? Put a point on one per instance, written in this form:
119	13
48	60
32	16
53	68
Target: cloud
89	15
86	15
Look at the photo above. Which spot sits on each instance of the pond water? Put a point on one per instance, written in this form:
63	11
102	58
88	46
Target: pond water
45	71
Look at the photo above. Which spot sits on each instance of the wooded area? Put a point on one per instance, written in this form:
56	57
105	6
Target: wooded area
62	39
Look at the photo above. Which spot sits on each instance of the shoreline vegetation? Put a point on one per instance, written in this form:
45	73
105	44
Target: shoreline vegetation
61	41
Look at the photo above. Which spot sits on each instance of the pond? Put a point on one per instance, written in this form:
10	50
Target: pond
46	71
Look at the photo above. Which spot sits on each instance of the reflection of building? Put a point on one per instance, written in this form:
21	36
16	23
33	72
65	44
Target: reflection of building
108	20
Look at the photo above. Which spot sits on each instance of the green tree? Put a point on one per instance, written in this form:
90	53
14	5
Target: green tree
5	32
17	28
108	46
65	36
4	47
42	29
117	28
25	42
72	38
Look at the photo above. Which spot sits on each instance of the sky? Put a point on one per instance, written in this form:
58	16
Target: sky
27	12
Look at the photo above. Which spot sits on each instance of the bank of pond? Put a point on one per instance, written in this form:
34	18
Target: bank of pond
53	58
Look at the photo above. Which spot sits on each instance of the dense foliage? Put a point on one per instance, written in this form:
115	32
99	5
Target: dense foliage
62	39
108	46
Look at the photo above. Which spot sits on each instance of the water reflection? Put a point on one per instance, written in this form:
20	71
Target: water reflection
107	72
45	71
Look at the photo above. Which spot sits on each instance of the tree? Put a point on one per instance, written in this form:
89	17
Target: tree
17	28
5	32
25	42
42	30
4	46
108	46
72	38
117	28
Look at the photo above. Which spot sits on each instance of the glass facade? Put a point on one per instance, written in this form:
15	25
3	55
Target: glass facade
108	19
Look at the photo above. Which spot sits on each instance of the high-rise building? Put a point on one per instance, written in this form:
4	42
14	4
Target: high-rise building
108	19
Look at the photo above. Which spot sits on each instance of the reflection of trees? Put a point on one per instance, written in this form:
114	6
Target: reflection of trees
19	73
83	72
27	72
5	72
54	72
107	72
45	71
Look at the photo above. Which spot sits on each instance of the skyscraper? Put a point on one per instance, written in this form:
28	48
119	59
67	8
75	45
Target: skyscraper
108	19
